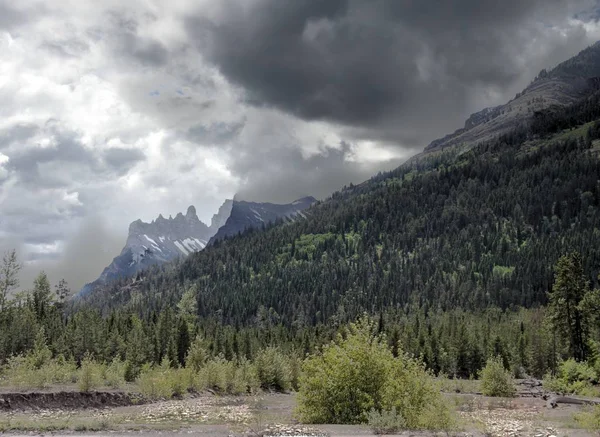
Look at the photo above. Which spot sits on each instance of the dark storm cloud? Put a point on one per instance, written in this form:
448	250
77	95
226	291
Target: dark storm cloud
391	65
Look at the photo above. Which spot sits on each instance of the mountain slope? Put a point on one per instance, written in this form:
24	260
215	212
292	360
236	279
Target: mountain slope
562	86
476	230
249	215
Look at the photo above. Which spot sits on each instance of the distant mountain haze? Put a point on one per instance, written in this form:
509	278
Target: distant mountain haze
164	240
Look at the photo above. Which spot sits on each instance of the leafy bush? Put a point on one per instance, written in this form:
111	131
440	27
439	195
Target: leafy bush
247	377
156	382
89	375
197	355
386	422
214	374
115	373
496	380
572	378
357	374
20	372
274	371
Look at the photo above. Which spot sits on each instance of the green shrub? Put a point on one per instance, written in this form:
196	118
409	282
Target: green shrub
357	374
247	376
386	422
21	372
590	419
89	375
273	369
163	381
115	373
496	380
572	378
155	382
197	355
214	374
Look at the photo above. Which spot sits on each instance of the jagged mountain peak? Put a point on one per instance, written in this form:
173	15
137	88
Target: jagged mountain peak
191	212
157	242
163	240
246	215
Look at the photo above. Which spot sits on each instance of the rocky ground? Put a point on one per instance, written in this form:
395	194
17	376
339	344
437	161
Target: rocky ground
272	415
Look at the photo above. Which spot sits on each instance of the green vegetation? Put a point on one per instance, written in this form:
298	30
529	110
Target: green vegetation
496	380
451	255
590	419
357	378
386	422
90	374
572	378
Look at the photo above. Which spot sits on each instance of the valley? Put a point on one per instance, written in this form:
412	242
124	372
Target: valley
457	294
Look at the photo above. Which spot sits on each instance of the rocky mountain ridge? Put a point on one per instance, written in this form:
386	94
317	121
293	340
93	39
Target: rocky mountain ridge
562	86
164	240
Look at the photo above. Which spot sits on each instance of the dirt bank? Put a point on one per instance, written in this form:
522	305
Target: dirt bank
66	400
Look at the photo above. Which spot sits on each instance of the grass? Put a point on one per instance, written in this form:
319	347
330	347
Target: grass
27	423
448	385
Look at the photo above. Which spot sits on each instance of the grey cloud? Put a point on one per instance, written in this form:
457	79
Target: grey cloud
145	50
284	175
66	48
91	247
129	43
217	133
122	159
27	160
399	66
17	133
11	17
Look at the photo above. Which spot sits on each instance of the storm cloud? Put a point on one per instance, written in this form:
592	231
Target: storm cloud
404	70
113	111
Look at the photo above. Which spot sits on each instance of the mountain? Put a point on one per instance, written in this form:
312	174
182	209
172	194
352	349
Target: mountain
469	231
157	242
562	86
164	240
249	215
220	218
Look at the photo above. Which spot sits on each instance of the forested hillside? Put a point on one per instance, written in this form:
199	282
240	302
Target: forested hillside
453	255
477	230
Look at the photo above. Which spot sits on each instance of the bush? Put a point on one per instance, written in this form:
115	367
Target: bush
89	375
115	373
154	382
164	382
196	356
21	372
274	371
572	378
386	422
590	419
496	380
214	374
358	374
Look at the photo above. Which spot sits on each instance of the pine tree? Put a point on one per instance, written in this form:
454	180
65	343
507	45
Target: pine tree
567	314
183	342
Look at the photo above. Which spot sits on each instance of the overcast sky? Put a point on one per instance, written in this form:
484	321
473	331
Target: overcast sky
115	110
